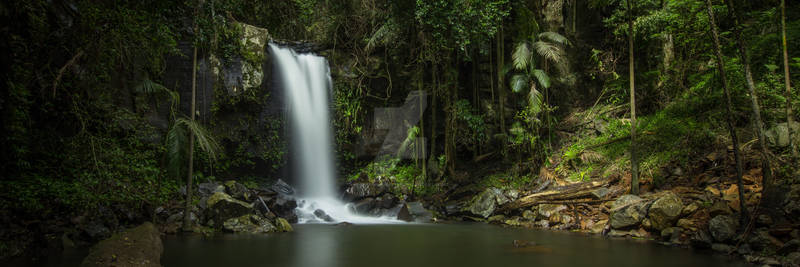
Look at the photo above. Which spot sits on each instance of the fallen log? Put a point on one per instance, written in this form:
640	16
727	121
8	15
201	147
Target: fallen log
571	194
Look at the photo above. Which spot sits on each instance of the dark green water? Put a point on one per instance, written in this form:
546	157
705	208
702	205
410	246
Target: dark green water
425	245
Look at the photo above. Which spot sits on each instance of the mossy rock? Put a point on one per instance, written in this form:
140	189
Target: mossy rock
140	246
222	207
283	225
249	223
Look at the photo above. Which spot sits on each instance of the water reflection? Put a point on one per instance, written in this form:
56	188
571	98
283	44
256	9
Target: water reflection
425	245
316	248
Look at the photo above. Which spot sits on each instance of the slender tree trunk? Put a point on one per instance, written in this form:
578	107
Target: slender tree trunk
187	225
729	108
758	124
501	92
786	80
434	107
634	157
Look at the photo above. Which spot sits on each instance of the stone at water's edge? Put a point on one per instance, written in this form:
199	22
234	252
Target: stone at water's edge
283	225
418	212
486	202
404	214
722	227
665	211
222	207
627	211
140	246
250	223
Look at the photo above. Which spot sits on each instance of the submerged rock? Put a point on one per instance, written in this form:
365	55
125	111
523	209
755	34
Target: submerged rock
250	223
665	211
627	211
140	246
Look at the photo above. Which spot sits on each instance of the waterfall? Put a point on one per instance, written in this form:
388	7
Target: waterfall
307	83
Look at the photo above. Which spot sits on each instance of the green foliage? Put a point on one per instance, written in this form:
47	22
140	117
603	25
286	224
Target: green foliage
403	178
455	25
473	130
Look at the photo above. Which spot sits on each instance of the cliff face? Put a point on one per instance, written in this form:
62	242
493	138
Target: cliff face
237	101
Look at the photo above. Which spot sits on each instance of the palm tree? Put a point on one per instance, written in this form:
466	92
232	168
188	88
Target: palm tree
533	58
180	140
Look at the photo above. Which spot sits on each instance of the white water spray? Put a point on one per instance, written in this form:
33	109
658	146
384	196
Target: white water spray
307	82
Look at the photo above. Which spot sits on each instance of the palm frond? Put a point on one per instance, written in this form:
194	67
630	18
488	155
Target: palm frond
383	35
204	139
549	51
542	78
535	103
522	56
148	86
176	144
555	38
519	82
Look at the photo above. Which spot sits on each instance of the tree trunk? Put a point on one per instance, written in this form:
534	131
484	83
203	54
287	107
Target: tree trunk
634	158
729	108
501	92
187	225
758	124
788	94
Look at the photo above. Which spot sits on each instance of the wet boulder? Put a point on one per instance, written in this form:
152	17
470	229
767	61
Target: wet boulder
282	187
414	211
323	216
222	207
140	246
283	206
722	228
364	206
627	211
665	211
357	191
485	203
248	223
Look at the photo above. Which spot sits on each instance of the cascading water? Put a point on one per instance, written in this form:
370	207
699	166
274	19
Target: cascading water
307	83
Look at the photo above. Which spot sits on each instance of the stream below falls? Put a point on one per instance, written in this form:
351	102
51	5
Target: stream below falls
319	245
